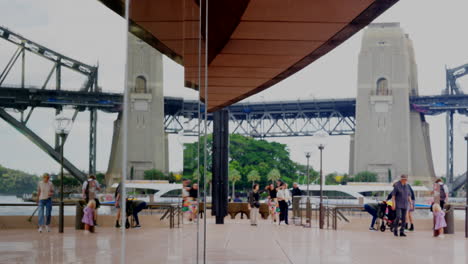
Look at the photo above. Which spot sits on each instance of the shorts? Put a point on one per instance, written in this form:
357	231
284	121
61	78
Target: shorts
411	206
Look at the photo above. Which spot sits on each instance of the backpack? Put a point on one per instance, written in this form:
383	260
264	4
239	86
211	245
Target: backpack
443	195
87	189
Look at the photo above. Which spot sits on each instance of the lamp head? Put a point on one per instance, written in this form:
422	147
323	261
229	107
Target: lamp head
62	125
320	139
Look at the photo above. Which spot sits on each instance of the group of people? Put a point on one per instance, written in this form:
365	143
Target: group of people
403	203
45	192
132	208
279	198
90	189
190	199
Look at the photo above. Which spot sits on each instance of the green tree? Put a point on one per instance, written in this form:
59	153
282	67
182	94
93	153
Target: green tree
365	176
234	176
154	174
274	175
101	178
246	154
417	183
17	182
330	179
253	176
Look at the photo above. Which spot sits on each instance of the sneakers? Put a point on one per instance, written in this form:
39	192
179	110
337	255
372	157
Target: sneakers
137	226
47	228
40	229
402	234
372	229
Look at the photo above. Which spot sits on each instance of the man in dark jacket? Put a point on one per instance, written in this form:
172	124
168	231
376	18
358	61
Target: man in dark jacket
295	190
401	201
296	198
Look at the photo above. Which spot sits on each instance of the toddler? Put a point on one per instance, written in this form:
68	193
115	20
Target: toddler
89	216
439	221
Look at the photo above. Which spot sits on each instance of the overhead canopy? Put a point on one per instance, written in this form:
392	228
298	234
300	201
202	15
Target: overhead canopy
252	44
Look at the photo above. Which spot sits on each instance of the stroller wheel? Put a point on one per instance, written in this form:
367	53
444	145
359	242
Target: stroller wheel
382	228
391	229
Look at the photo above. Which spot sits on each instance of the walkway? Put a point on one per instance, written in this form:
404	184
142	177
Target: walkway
232	243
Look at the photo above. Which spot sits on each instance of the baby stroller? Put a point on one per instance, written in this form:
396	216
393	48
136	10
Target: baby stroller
387	215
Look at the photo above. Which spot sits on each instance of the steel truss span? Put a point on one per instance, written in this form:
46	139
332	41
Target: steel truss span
59	61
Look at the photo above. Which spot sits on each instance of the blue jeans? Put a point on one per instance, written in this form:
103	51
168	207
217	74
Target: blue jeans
372	212
136	210
47	205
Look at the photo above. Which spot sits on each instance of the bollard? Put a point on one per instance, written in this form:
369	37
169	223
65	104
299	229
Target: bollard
449	218
79	214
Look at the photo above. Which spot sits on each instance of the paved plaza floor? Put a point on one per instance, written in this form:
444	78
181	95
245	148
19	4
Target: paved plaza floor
234	242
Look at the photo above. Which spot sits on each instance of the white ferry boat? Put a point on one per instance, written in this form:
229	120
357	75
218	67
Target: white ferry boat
360	193
153	191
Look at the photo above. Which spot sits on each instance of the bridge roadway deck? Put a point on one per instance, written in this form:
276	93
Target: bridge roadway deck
14	97
235	242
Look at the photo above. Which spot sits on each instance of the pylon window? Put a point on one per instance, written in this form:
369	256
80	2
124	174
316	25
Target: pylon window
140	85
382	87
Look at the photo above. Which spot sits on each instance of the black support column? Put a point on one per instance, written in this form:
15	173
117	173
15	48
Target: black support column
220	164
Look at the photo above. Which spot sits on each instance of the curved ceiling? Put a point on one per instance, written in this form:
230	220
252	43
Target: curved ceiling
252	44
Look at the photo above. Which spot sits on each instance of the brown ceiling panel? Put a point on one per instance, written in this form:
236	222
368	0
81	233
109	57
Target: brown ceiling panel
243	82
305	10
254	61
270	47
252	44
286	30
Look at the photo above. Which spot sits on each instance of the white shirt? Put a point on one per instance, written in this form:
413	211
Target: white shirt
46	190
92	188
284	194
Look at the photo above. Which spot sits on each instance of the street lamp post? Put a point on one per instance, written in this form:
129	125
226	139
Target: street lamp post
308	206
62	128
320	139
466	189
321	147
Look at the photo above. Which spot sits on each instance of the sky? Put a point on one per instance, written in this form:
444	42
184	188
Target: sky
89	32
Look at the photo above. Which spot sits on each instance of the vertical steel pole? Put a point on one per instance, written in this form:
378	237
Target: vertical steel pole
23	66
62	136
321	190
308	206
58	84
125	110
466	190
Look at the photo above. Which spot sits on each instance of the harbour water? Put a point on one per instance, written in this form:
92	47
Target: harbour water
28	210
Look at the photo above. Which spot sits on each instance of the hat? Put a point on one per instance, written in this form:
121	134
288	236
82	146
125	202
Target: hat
404	177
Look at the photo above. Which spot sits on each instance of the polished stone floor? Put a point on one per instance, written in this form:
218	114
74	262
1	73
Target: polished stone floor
235	242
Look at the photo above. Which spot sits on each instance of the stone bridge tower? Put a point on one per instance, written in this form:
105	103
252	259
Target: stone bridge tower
147	141
390	138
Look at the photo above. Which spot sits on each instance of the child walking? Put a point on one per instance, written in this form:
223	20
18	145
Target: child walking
89	216
439	221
